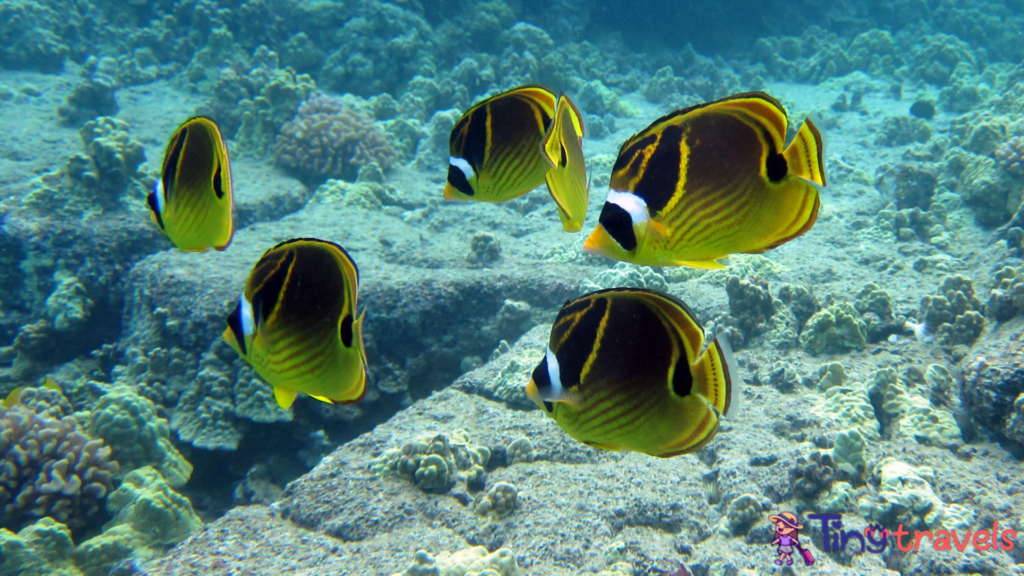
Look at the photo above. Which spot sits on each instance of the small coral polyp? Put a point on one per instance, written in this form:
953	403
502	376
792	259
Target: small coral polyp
331	139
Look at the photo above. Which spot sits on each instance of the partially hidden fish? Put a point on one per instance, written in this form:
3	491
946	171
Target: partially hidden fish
296	323
708	181
192	201
511	143
630	369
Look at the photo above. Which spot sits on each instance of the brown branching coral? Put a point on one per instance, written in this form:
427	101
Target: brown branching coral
50	467
330	139
1010	155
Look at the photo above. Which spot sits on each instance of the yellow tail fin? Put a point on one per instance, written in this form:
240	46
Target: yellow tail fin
805	155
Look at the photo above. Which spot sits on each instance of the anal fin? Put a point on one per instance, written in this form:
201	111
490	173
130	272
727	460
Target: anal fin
285	397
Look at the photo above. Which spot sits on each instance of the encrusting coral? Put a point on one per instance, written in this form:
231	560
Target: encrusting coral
137	435
40	549
251	107
329	138
435	462
834	329
50	467
474	561
499	500
103	179
149	517
954	314
905	496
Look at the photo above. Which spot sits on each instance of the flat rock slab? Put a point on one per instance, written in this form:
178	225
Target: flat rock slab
574	502
425	305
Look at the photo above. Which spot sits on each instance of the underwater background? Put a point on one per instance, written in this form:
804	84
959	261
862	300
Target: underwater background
881	370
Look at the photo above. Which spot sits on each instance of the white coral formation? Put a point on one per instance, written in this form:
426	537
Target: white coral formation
475	561
905	493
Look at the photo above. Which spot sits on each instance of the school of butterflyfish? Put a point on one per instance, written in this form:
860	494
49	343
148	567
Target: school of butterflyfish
624	369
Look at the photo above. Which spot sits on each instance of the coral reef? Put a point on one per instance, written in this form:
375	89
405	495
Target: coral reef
850	406
29	37
90	98
625	275
435	462
484	249
499	500
379	50
992	383
811	476
834	329
330	138
1006	300
1009	155
848	453
829	375
915	224
214	405
905	495
954	313
982	184
750	304
903	130
513	319
138	437
40	549
743	512
474	561
252	107
362	193
801	301
149	517
51	468
105	178
521	450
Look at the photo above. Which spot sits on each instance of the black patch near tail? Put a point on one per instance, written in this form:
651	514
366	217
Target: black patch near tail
682	380
346	331
218	185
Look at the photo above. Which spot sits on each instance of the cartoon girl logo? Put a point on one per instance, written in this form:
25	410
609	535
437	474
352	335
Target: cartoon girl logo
787	538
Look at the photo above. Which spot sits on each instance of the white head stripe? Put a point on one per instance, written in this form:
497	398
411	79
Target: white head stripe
247	321
554	375
631	203
158	188
461	164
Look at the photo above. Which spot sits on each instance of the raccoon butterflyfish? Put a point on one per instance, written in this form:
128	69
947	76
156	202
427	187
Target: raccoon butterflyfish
702	183
629	369
14	398
296	323
511	143
192	201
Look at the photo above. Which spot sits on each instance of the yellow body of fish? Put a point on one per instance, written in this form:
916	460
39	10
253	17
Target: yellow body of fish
509	144
296	323
14	397
193	201
626	369
716	179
